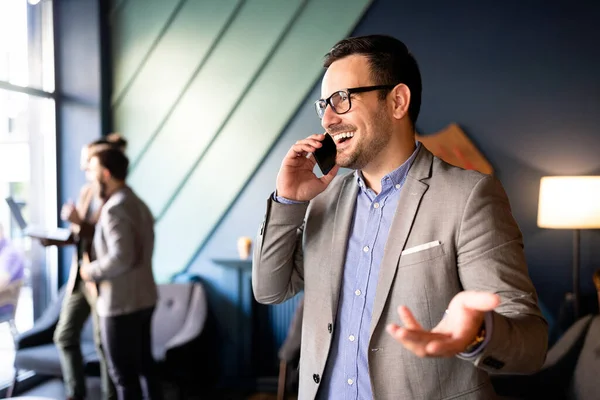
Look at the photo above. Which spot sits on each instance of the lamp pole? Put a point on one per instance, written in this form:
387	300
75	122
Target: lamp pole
576	273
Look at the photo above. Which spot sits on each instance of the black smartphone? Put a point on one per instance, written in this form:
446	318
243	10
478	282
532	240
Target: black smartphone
325	155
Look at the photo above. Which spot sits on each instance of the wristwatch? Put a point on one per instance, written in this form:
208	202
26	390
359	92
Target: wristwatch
479	338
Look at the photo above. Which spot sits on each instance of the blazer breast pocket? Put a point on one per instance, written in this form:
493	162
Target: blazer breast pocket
429	252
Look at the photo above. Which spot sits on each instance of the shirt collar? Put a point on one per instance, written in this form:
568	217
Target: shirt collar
396	177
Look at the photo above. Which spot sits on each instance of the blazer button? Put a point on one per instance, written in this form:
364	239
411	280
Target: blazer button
316	378
330	328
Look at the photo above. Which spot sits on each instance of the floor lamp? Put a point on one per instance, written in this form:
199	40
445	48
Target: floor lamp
570	202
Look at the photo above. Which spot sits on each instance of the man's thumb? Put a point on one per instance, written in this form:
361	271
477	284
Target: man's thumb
481	301
326	179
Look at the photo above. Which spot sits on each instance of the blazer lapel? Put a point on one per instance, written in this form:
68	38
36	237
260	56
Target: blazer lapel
410	197
344	215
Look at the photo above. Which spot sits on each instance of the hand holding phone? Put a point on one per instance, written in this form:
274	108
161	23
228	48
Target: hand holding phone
297	179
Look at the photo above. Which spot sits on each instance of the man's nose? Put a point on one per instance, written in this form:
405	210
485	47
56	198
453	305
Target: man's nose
330	118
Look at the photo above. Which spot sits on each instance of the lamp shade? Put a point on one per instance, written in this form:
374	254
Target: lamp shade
569	202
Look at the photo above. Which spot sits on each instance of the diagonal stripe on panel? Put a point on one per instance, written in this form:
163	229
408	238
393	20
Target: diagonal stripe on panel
210	100
250	132
115	6
118	97
137	25
168	70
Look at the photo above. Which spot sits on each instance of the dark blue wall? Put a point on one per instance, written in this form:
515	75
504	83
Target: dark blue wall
521	78
79	95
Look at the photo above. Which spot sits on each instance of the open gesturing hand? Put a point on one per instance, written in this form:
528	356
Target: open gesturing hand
455	331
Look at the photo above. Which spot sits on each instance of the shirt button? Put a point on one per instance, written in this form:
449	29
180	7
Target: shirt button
350	381
351	338
398	186
330	328
316	378
357	292
366	249
376	205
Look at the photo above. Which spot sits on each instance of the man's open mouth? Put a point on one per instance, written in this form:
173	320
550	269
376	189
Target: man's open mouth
342	137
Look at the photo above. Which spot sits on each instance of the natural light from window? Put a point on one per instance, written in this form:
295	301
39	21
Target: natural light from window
27	157
13	42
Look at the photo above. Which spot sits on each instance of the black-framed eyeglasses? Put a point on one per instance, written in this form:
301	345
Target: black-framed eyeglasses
340	101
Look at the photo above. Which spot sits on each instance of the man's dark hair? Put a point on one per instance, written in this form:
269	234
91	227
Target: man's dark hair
112	140
114	161
116	140
390	62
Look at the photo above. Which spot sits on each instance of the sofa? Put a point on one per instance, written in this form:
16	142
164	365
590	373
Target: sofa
182	333
570	371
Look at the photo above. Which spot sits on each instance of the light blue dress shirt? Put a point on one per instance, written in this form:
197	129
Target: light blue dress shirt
347	372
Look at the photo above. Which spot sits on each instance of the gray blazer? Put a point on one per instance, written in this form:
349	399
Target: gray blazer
123	243
481	248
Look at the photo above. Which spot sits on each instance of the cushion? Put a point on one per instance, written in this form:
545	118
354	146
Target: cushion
169	315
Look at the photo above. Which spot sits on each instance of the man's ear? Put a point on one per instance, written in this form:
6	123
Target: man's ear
400	100
106	174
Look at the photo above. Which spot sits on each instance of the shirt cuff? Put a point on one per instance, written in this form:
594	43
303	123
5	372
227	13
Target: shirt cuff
283	200
488	334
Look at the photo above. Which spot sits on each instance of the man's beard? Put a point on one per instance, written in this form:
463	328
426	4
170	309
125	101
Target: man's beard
102	192
364	153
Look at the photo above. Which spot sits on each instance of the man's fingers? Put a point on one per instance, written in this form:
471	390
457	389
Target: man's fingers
317	136
408	319
306	146
400	335
311	142
303	149
414	341
419	337
445	347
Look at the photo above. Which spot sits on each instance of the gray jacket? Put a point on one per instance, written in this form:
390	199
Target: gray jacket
123	243
480	248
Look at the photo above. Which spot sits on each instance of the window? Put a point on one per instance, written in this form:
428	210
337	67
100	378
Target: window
27	154
26	45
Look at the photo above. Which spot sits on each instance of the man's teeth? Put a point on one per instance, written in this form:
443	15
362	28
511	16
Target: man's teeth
343	135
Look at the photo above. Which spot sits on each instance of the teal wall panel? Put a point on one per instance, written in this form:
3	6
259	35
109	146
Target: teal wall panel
211	98
204	98
136	27
167	71
249	133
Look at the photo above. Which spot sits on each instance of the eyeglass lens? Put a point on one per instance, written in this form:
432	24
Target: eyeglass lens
338	101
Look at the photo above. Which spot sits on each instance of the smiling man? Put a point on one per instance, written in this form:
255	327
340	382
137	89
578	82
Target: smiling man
415	280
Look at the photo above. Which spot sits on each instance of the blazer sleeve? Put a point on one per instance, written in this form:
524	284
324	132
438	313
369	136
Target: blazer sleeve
119	232
490	258
277	267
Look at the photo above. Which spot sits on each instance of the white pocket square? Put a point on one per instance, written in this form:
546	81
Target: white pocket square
420	247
